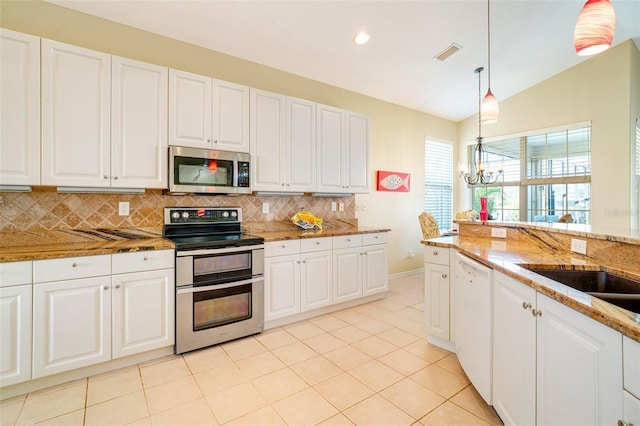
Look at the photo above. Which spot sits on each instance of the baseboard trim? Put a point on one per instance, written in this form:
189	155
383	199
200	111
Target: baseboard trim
407	273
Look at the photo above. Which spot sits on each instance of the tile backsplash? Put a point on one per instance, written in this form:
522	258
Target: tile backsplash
46	209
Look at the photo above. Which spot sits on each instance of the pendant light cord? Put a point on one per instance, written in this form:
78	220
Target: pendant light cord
488	44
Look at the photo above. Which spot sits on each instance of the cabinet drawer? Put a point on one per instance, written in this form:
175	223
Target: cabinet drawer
15	273
347	241
315	244
281	248
437	255
147	260
69	268
631	366
371	239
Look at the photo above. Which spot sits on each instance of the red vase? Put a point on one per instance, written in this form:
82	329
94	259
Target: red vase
484	213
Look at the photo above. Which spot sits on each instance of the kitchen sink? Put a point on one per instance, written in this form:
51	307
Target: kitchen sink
612	288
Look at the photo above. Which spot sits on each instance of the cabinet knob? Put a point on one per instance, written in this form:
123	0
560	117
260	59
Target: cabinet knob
317	243
74	265
106	287
536	313
115	177
283	246
105	177
435	252
444	275
117	285
208	140
623	423
526	305
349	239
216	141
298	262
145	258
282	184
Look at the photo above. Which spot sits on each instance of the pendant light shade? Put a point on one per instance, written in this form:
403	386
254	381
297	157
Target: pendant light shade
489	109
595	27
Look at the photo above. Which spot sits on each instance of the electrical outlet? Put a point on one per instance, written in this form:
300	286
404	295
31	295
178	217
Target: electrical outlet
341	207
578	246
364	206
411	255
265	208
334	206
499	232
123	208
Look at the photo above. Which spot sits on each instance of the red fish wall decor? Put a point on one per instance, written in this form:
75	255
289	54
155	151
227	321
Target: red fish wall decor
393	181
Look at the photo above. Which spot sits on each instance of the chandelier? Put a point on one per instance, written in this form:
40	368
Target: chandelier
477	172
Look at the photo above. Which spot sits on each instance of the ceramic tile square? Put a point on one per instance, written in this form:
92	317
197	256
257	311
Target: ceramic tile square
350	334
374	346
53	402
10	409
347	357
113	384
303	330
351	316
193	413
163	372
172	394
219	378
404	362
451	363
259	365
305	408
264	416
294	353
328	322
412	398
470	400
441	381
75	418
316	370
275	339
377	411
374	326
122	410
279	384
426	350
243	348
343	391
324	342
206	359
337	420
376	375
397	337
235	402
449	414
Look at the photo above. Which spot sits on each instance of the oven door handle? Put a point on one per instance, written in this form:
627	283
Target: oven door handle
226	250
196	289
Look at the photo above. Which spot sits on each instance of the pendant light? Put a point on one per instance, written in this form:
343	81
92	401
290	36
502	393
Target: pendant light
595	27
489	109
477	172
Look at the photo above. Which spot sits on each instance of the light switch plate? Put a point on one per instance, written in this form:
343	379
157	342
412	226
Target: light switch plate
265	208
499	232
123	208
578	246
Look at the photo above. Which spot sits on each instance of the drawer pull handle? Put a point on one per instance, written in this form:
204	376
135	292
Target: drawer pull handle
118	286
435	252
349	239
74	265
526	305
536	313
145	258
444	275
283	246
318	243
106	287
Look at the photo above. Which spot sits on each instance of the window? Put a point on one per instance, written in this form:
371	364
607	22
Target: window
546	175
438	182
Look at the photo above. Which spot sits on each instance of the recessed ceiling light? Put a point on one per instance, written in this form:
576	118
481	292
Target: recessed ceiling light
361	38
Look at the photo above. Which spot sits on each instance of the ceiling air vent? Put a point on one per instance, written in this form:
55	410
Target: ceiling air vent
453	48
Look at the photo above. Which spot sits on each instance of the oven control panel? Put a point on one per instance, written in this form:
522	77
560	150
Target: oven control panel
180	215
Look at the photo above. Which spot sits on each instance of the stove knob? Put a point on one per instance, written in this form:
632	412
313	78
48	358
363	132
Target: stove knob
175	215
185	215
225	214
234	214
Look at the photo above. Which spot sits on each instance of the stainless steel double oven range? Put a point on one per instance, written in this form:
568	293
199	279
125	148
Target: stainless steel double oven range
219	276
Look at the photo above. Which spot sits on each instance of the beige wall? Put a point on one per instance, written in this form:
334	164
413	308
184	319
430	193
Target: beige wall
597	90
397	134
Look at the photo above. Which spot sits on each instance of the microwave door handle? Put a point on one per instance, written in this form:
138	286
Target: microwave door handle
235	173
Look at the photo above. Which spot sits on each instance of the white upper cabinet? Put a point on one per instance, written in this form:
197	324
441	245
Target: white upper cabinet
20	108
138	124
207	113
343	151
282	143
76	99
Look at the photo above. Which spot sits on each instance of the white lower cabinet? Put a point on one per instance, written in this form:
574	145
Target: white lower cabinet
437	296
575	375
87	315
347	274
72	324
281	286
631	410
15	334
316	273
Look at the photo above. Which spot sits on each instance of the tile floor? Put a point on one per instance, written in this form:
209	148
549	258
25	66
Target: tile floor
368	365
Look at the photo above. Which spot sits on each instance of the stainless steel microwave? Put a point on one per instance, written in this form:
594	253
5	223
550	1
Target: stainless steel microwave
207	171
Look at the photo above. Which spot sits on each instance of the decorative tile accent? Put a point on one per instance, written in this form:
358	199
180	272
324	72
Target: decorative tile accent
45	209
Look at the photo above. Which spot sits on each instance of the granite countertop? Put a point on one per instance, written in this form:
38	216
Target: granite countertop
506	256
17	246
286	230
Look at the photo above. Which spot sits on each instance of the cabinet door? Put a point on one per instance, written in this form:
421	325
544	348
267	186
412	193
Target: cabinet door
15	334
76	114
347	274
357	161
267	141
300	159
230	116
281	286
138	124
579	379
143	311
316	280
437	299
71	325
514	351
631	415
330	151
20	106
374	270
189	109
